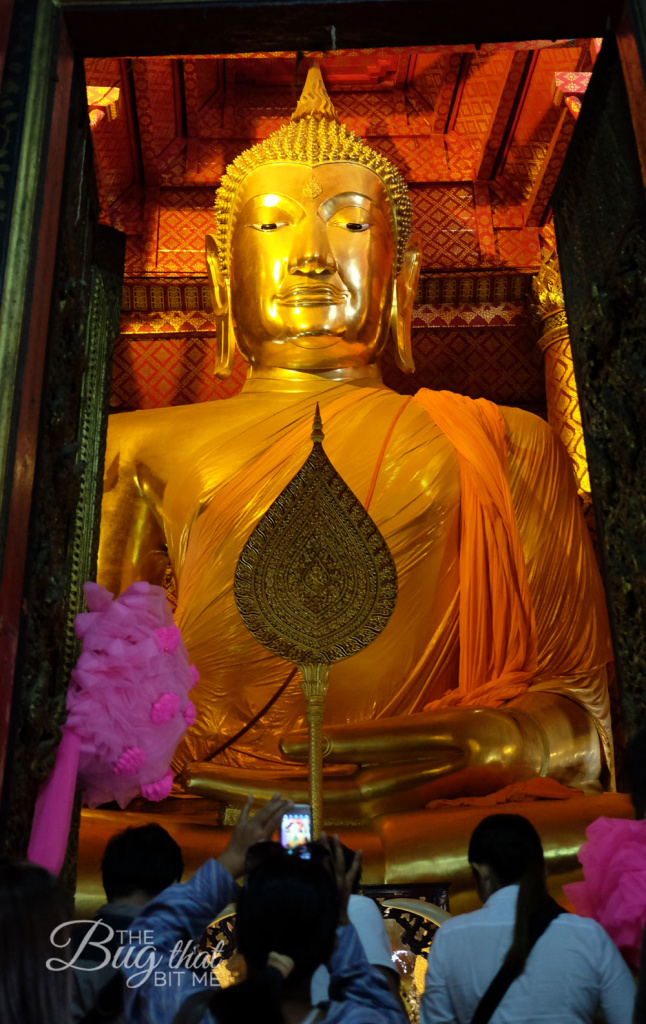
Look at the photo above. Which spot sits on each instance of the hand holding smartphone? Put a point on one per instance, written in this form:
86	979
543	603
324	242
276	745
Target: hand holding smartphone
296	830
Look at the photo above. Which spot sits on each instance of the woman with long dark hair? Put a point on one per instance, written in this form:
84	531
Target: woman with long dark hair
520	958
286	904
31	906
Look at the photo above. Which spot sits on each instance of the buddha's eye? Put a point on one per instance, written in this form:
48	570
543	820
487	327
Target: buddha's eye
352	218
270	226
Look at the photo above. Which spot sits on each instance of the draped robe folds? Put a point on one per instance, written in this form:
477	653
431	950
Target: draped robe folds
392	453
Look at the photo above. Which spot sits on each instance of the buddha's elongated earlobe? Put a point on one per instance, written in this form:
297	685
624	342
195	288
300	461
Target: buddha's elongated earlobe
227	344
402	307
401	337
220	289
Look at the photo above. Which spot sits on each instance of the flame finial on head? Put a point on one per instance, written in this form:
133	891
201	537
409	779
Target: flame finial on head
314	101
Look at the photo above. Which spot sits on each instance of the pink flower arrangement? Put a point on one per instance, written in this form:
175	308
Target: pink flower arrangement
128	708
613	891
128	700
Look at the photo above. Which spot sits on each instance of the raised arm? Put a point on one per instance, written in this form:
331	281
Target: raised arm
157	981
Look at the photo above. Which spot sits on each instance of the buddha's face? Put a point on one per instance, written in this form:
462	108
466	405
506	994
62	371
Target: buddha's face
312	253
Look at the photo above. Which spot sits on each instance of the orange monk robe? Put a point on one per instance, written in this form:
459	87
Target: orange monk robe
387	447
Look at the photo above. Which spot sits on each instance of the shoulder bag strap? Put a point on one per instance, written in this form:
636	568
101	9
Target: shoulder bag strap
492	998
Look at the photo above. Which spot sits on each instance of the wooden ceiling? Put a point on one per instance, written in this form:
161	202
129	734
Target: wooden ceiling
479	134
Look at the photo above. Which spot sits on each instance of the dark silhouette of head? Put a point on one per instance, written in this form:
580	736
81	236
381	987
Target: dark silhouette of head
509	846
31	906
288	905
140	862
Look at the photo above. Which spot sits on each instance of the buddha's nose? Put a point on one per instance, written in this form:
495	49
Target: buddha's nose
314	263
311	253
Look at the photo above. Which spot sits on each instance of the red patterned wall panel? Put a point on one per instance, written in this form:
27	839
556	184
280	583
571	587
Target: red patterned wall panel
175	224
445	218
185	217
519	248
150	371
419	159
373	113
502	364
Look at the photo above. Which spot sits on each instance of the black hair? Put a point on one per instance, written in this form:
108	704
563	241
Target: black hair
288	905
31	906
510	845
145	858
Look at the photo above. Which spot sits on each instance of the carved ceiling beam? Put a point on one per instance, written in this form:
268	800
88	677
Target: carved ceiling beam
548	172
130	111
156	88
191	100
484	224
445	98
145	114
461	81
507	192
521	94
508	90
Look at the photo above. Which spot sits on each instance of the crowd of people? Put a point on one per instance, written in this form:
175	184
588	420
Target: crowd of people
315	950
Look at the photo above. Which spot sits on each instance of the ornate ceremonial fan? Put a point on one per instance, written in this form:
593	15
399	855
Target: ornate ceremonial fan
316	583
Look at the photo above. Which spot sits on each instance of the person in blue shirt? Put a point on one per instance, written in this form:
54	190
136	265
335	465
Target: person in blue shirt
292	916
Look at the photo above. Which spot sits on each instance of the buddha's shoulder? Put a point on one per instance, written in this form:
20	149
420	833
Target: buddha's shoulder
522	428
152	435
167	422
526	429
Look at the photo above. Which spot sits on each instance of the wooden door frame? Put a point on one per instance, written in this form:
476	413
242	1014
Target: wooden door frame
246	26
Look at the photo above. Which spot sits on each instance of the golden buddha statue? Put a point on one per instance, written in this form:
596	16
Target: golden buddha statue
493	666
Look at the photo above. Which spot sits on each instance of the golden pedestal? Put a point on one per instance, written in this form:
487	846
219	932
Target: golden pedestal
419	846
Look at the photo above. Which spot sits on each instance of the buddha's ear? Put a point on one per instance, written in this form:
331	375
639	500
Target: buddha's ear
217	280
221	299
403	298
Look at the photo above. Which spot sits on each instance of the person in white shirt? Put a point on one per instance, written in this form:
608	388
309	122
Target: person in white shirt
366	918
558	967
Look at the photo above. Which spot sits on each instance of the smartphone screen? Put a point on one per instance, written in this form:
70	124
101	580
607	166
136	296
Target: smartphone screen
296	830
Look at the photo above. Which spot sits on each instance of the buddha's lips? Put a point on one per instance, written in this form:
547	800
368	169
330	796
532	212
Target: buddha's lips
312	295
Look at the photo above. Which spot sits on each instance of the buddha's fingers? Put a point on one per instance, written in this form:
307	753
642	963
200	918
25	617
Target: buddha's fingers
370	785
386	742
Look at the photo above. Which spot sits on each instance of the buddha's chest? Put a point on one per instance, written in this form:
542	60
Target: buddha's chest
405	471
392	456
